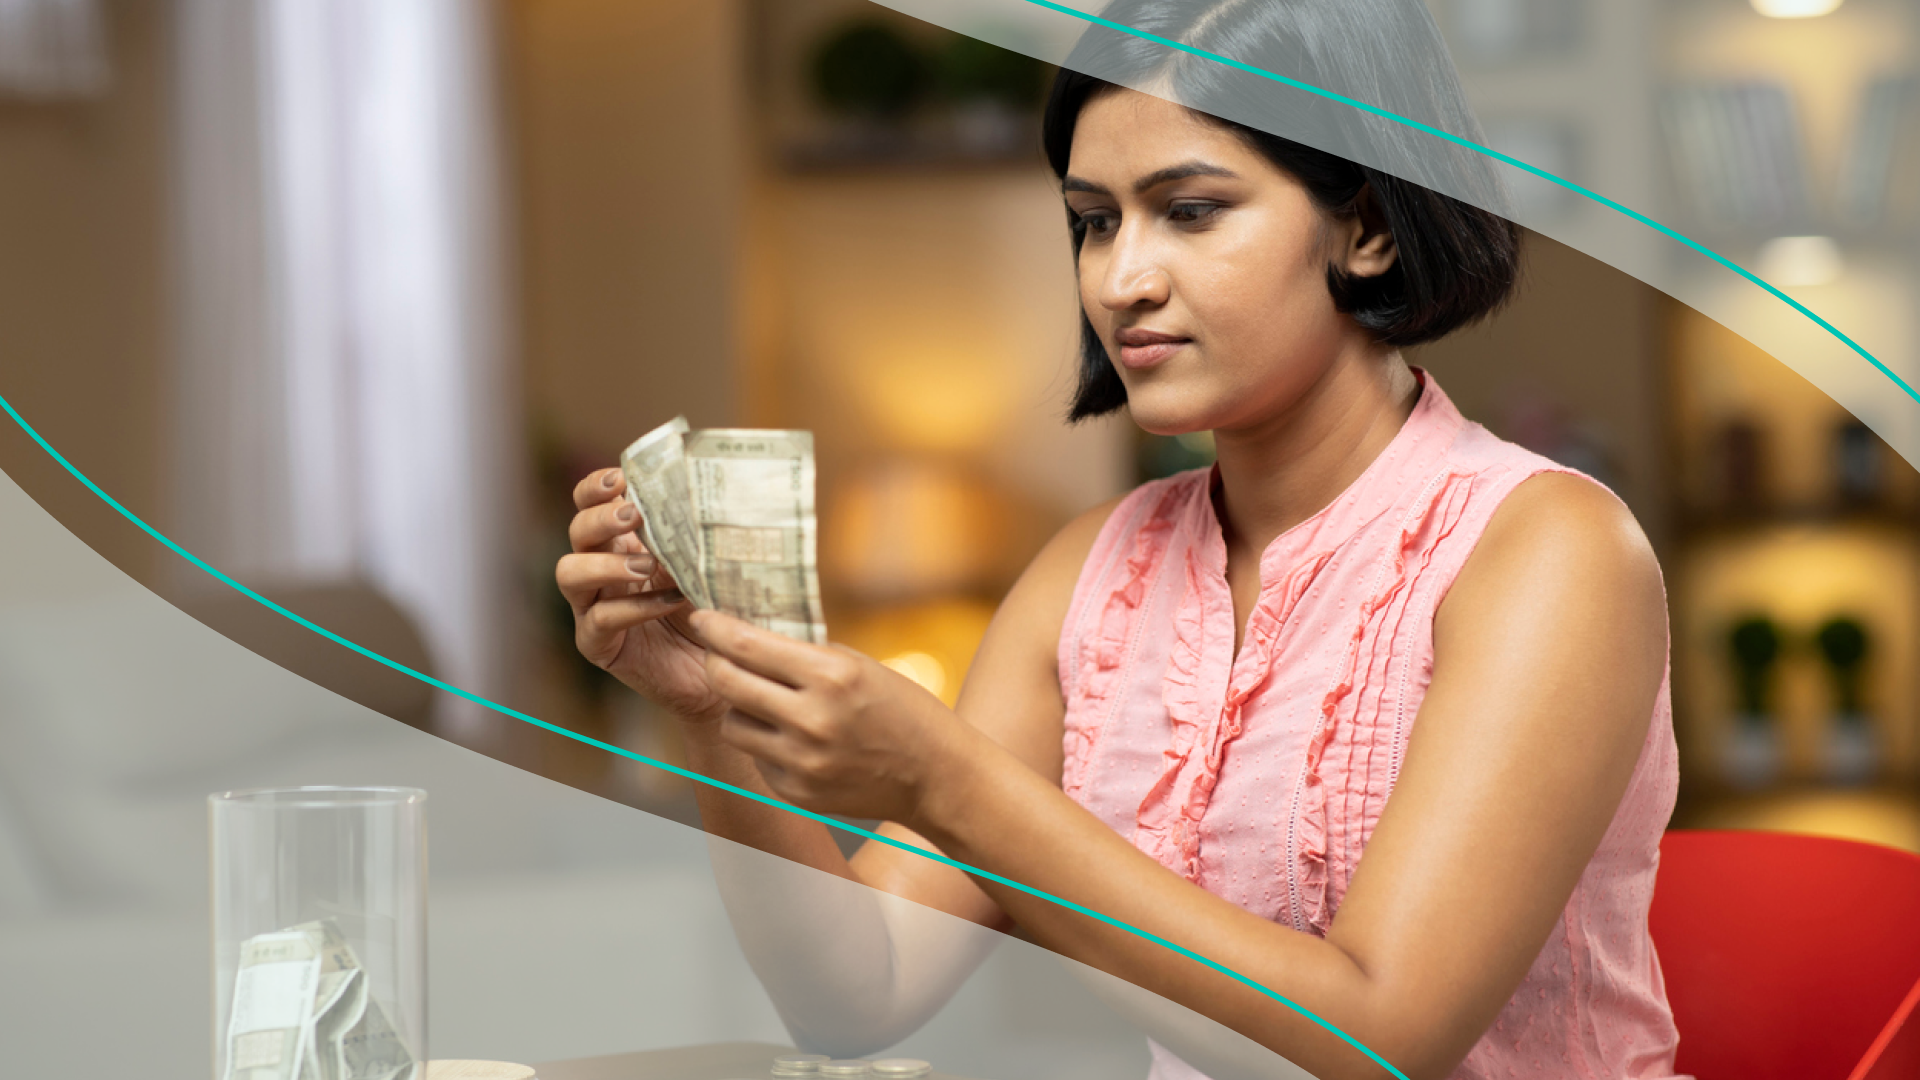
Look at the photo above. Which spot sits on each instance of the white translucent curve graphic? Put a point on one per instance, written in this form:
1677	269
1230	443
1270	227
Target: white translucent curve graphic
1852	335
804	930
563	925
853	970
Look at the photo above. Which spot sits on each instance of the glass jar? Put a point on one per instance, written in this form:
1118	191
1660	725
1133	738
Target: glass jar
319	932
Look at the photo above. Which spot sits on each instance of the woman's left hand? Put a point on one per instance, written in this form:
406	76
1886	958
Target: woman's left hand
833	730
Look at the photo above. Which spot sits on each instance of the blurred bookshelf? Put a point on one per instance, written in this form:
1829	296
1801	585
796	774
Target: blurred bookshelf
1794	566
1790	146
851	86
1789	518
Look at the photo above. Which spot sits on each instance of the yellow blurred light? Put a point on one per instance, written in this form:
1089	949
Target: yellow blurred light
1868	816
948	631
910	528
933	402
1793	261
923	668
1794	9
1803	574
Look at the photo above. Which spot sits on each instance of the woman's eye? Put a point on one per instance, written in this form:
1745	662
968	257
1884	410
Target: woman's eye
1095	223
1192	213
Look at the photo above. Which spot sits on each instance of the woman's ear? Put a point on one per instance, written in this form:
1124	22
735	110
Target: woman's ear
1370	250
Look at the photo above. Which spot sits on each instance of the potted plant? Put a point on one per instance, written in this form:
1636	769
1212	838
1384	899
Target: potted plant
869	76
994	93
1851	750
1750	757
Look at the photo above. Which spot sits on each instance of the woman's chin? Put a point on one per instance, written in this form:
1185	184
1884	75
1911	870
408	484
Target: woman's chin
1166	418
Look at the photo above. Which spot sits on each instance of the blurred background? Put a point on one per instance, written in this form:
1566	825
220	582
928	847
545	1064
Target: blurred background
346	297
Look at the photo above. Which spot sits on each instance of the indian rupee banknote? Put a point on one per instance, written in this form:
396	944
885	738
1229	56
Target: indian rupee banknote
735	508
268	1031
656	470
302	1010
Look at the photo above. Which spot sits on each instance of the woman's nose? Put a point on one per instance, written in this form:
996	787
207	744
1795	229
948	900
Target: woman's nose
1134	277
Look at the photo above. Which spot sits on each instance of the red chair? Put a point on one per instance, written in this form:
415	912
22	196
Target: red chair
1789	957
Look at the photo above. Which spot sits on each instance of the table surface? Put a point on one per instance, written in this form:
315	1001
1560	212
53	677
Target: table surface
718	1061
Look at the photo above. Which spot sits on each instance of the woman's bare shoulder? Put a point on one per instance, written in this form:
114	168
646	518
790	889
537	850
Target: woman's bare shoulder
1562	540
1570	515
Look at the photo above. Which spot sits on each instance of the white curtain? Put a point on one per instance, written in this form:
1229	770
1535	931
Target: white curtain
341	411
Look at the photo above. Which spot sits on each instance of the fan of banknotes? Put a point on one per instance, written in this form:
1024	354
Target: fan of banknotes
302	1011
730	513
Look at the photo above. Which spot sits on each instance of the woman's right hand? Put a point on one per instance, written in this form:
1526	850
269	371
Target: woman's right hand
629	616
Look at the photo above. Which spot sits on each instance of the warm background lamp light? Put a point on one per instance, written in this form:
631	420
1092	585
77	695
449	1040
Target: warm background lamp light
912	529
1791	261
1794	9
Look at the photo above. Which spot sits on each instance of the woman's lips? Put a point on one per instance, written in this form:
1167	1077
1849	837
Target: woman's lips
1145	348
1144	356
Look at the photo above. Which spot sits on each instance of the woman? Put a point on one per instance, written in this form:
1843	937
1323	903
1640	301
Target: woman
1370	628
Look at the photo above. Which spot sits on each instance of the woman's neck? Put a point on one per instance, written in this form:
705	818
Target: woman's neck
1286	469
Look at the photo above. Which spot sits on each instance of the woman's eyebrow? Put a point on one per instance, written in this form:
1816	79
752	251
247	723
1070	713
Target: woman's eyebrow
1154	179
1181	172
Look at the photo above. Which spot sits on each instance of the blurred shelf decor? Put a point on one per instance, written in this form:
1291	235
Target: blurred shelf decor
855	85
1795	585
1788	130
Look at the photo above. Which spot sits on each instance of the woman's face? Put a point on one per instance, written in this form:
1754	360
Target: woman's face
1204	266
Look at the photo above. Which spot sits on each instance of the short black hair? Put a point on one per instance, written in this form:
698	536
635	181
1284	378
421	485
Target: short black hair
1455	261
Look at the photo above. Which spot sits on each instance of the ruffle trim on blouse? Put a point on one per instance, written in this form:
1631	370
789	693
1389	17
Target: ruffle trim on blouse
1105	649
1322	776
1206	718
1167	823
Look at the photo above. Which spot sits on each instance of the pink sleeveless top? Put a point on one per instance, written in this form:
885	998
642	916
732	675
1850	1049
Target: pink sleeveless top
1260	778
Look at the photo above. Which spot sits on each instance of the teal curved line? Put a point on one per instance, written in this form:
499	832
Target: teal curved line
1489	152
505	710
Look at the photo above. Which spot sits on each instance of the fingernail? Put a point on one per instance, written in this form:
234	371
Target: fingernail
641	565
625	514
607	480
